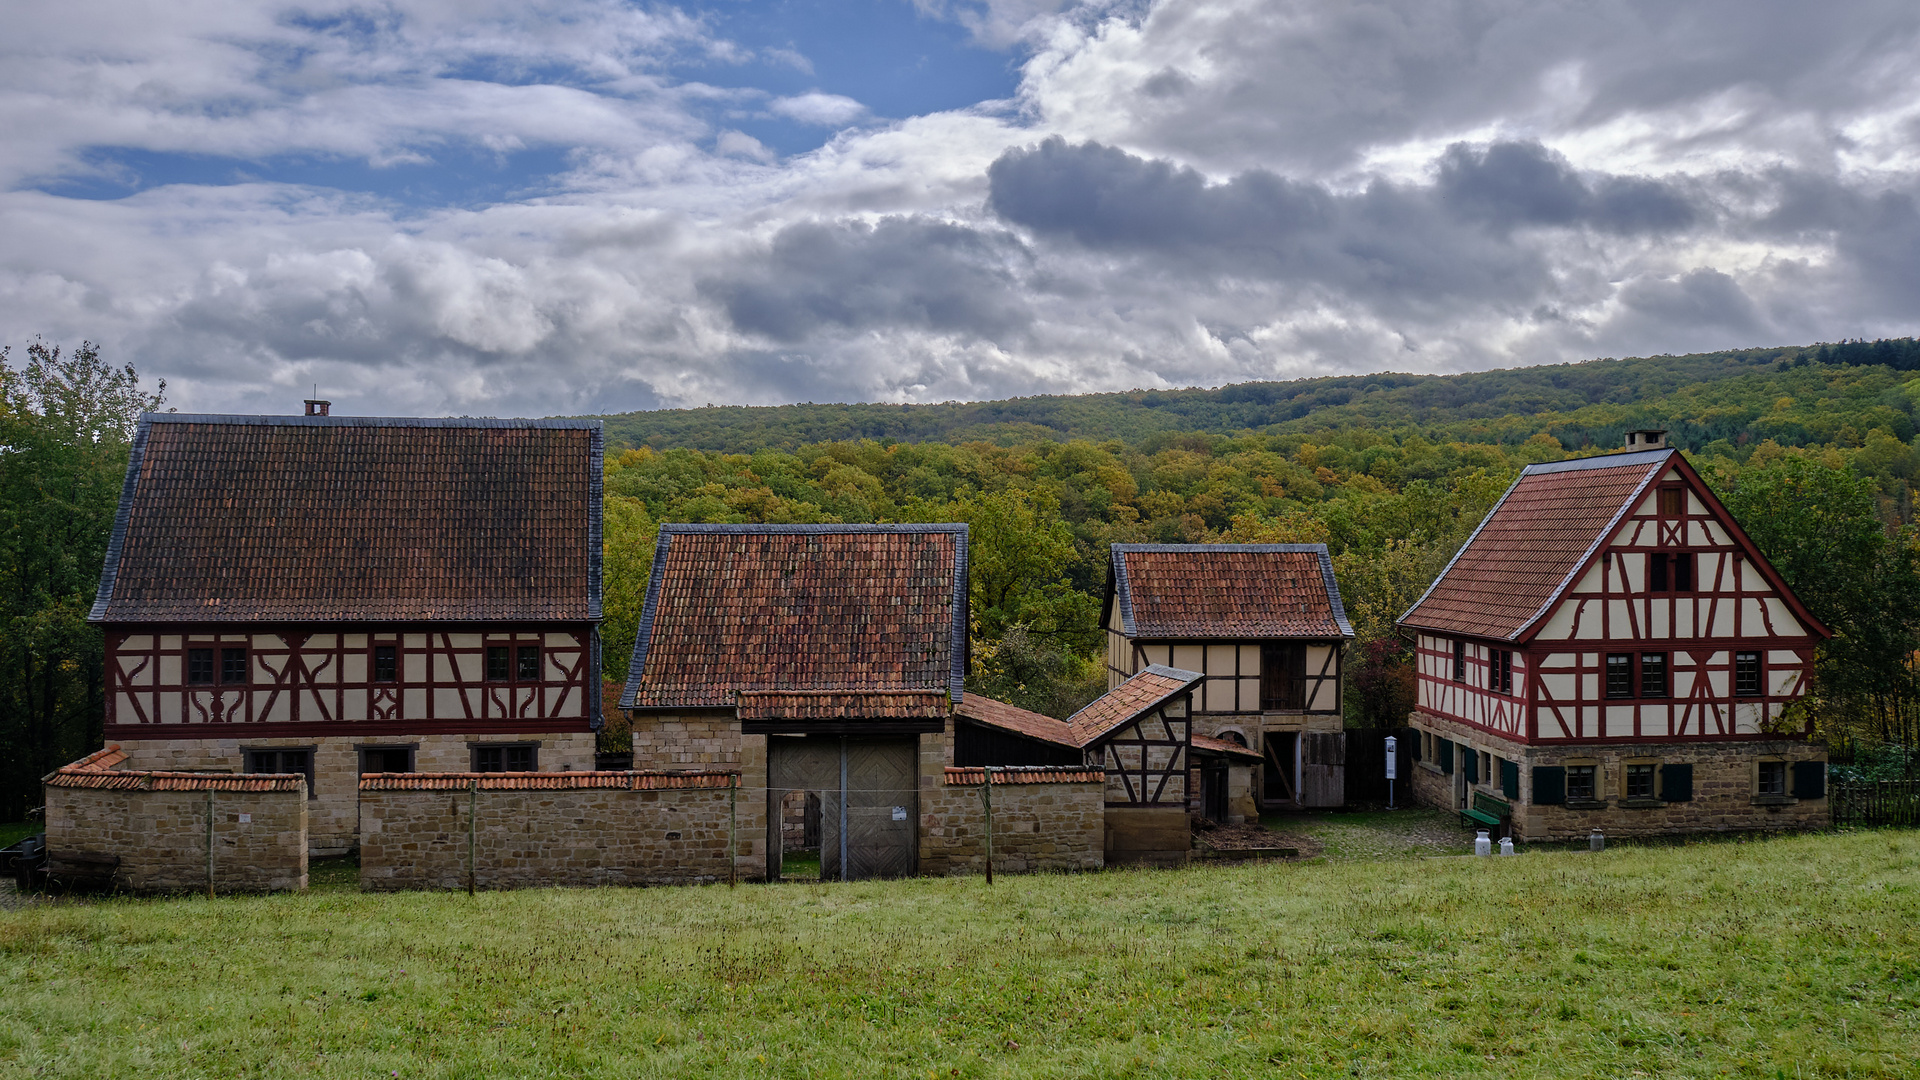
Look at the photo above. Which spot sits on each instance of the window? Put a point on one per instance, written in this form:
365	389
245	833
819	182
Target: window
1486	768
1640	781
386	663
1772	779
528	661
1746	674
379	759
1283	675
497	663
199	667
1500	671
514	758
1459	661
1673	502
1657	572
1619	675
283	761
1581	784
1653	674
1670	571
1683	571
233	666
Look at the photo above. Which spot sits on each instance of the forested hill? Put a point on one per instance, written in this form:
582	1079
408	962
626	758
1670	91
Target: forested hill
1701	397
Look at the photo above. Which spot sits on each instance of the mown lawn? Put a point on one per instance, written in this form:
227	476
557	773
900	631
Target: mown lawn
1796	957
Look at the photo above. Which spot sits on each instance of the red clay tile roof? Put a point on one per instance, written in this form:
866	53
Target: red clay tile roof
1012	718
352	519
1226	591
1025	774
800	607
547	781
96	771
1209	744
842	704
1147	689
1522	557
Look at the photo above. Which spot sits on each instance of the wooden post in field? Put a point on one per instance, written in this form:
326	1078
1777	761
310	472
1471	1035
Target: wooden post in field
986	800
473	831
209	841
733	827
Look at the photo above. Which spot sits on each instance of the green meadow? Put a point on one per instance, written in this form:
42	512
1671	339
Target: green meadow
1792	957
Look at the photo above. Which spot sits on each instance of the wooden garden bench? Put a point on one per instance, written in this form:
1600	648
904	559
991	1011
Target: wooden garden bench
1486	810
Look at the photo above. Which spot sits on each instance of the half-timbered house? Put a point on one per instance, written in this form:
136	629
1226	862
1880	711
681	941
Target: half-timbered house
329	596
1610	650
1141	733
1264	626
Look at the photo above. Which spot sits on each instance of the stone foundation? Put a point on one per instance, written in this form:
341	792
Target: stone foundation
1147	835
1043	819
333	807
1724	798
585	829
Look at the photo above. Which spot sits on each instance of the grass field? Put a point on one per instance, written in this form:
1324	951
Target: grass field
1796	957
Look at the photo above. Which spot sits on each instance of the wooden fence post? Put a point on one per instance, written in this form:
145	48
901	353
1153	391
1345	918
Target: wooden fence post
733	828
986	800
473	829
209	841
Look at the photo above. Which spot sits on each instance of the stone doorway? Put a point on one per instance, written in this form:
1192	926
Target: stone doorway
868	797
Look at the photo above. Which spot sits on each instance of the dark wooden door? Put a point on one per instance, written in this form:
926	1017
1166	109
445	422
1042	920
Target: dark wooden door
881	798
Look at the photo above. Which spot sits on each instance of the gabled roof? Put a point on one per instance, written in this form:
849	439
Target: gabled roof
1207	744
1537	540
1012	718
1146	690
1225	591
355	519
800	607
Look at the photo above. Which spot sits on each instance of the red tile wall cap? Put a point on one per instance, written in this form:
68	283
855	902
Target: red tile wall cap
1148	689
627	780
260	519
1227	747
1182	591
99	779
1033	725
799	607
842	704
962	776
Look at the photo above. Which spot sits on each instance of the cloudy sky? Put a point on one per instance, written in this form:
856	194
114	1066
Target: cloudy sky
524	207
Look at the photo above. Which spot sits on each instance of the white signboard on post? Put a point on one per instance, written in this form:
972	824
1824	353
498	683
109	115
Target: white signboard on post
1393	758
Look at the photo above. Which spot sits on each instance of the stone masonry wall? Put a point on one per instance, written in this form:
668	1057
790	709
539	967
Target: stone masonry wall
160	837
696	741
1036	826
418	839
1723	785
334	807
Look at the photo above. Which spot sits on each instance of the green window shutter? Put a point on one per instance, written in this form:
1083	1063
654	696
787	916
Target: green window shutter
1676	783
1549	785
1412	741
1510	779
1445	748
1810	779
1470	764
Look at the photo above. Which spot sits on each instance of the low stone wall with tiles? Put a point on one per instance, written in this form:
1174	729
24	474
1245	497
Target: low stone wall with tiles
1723	786
1043	819
711	740
146	831
540	829
333	809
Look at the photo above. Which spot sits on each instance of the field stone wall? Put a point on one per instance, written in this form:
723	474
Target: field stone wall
1036	826
590	836
160	837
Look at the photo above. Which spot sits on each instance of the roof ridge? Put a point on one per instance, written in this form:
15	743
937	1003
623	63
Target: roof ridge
271	420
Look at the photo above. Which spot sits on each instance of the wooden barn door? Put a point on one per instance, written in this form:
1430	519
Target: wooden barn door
869	801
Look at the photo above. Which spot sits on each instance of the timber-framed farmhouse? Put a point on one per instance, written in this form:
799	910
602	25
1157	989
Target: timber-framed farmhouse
331	596
1609	650
1264	627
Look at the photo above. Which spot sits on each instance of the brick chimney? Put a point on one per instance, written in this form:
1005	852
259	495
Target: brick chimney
316	407
1646	440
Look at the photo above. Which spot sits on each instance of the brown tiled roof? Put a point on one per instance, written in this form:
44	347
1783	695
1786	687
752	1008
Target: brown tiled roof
1012	718
800	607
547	781
1524	554
1146	689
1226	591
1025	774
351	519
842	704
1209	744
96	771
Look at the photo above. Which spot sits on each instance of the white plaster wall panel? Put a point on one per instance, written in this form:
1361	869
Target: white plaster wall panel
355	667
1783	621
413	702
448	704
1188	657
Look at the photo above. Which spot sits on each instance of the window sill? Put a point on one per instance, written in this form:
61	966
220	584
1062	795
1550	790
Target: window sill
1586	804
1774	800
1642	804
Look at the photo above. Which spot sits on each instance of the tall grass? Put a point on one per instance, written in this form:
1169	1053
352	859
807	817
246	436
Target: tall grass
1795	957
